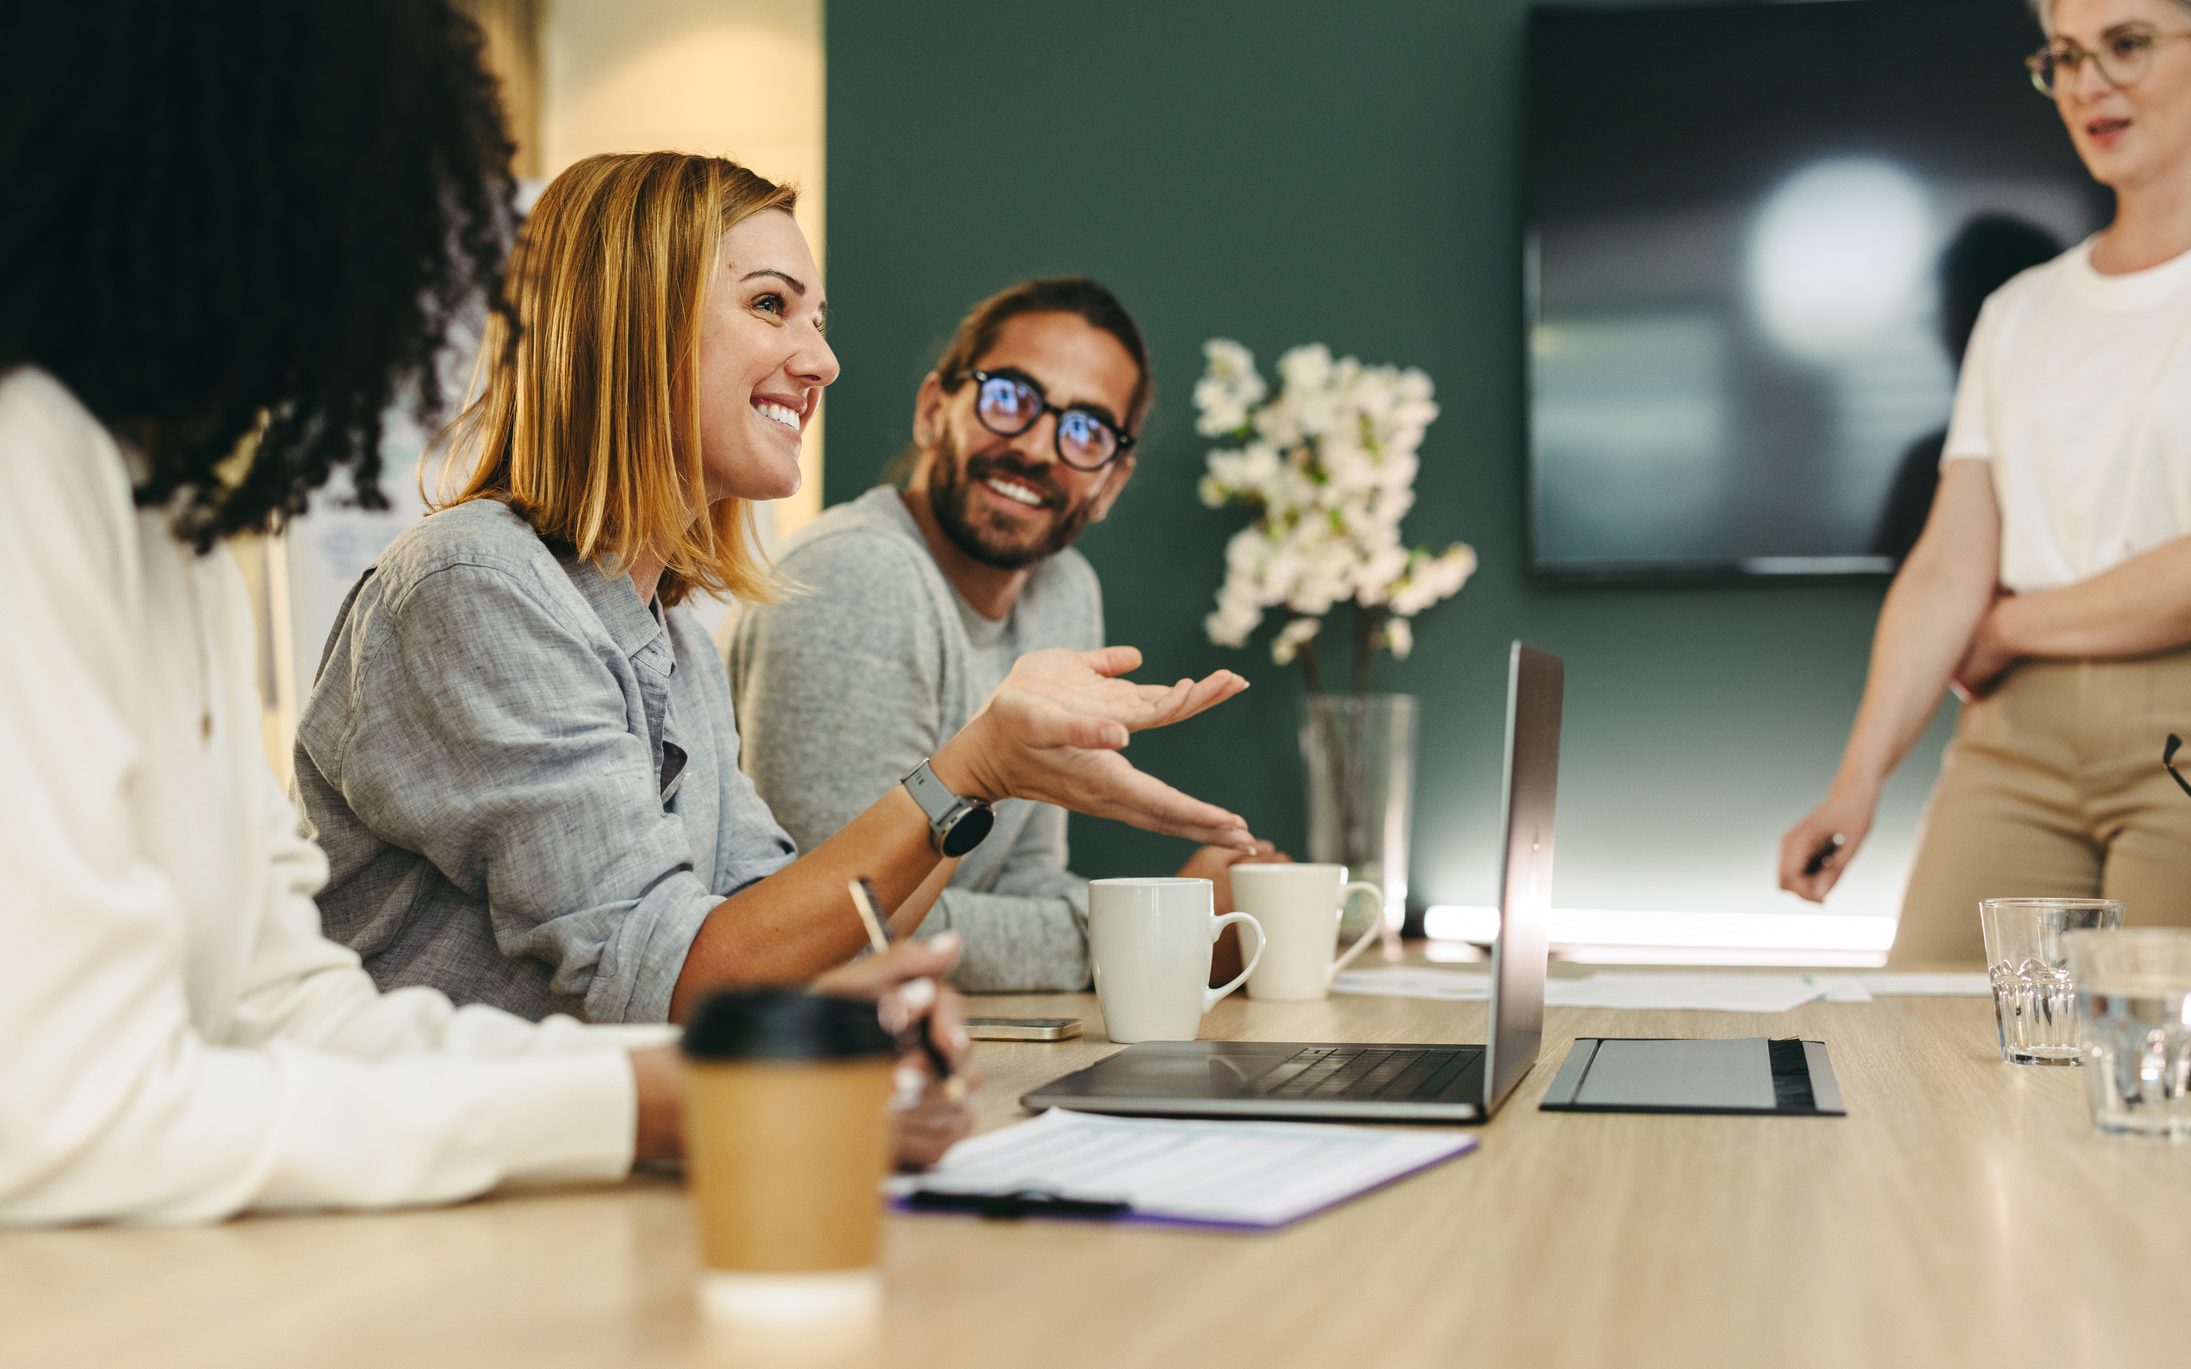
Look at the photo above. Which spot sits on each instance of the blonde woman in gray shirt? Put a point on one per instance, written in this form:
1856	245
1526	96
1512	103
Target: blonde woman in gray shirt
520	754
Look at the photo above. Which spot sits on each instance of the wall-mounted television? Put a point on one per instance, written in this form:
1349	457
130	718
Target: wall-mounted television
1756	236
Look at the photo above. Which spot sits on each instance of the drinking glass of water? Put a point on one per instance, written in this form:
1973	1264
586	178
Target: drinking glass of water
2134	1017
2034	995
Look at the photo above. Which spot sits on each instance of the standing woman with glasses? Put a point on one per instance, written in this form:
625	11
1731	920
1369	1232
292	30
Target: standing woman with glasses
520	754
2052	584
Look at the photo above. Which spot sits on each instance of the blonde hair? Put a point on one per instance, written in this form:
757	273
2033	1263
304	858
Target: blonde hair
585	417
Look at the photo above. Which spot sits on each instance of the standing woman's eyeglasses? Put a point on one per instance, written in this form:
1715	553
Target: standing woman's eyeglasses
1009	405
2124	57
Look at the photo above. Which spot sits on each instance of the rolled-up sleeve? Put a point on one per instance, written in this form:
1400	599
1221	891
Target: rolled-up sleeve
490	738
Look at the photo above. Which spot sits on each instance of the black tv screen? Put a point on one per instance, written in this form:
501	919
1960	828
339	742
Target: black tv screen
1758	234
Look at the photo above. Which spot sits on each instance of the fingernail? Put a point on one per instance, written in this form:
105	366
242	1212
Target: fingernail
907	1084
959	1039
947	941
892	1014
917	994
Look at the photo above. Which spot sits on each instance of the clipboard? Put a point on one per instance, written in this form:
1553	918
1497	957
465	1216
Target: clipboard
1218	1175
1745	1076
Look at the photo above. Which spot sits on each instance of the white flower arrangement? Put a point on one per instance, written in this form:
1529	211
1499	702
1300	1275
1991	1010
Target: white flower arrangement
1327	465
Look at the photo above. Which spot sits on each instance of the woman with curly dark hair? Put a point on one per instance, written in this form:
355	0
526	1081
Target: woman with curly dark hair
235	227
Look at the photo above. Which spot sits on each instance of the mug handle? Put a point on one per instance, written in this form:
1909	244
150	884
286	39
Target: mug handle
1217	925
1376	926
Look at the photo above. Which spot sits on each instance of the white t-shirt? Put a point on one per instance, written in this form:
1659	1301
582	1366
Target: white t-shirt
178	1041
2077	388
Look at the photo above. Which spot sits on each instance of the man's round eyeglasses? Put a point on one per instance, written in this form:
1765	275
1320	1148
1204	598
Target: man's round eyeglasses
2123	58
1009	405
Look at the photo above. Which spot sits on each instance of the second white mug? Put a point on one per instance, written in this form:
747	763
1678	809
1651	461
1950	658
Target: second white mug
1300	908
1150	940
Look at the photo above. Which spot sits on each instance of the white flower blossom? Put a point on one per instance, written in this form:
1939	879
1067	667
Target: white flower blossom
1228	361
1221	414
1287	644
1430	579
1327	464
1306	368
1236	617
1400	637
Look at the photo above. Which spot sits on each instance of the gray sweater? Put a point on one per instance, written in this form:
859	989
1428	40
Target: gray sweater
843	688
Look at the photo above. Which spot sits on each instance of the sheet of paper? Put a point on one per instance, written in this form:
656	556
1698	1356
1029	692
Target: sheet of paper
1740	992
1712	992
1236	1174
1838	989
1907	984
1414	981
1722	992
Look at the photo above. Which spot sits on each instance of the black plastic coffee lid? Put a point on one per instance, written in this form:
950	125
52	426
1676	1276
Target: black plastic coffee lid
785	1024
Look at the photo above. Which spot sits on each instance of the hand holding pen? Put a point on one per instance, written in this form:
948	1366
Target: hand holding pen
916	997
1816	850
929	1115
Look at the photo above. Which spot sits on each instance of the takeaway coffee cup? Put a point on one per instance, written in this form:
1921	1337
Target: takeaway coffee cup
1150	940
1300	907
787	1140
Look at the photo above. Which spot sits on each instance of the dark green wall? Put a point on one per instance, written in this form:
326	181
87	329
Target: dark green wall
1346	173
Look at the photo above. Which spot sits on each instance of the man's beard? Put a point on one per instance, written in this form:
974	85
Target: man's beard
953	487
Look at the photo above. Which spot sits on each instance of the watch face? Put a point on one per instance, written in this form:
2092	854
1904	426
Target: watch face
966	834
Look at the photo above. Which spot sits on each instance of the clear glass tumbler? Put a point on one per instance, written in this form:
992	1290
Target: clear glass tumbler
2034	995
2134	1019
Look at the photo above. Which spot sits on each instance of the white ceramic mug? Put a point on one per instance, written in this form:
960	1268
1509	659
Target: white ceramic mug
1300	908
1150	940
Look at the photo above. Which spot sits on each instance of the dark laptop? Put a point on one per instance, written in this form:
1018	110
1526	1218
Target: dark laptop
1382	1082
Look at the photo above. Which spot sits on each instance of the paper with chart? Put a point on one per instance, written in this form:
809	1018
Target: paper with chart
1251	1175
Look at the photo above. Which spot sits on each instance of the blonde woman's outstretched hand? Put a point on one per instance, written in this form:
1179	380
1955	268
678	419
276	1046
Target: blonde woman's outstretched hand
1053	732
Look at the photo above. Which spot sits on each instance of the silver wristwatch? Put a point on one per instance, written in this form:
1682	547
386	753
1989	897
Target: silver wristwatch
956	825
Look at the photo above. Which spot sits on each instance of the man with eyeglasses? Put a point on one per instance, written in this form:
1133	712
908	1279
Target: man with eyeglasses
915	599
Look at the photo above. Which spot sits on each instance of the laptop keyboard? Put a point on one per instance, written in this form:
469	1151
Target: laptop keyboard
1364	1072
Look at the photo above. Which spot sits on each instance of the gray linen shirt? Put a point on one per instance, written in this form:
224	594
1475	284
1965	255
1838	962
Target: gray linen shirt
842	689
524	801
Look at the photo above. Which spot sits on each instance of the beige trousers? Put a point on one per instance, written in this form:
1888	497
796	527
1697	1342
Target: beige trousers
2053	787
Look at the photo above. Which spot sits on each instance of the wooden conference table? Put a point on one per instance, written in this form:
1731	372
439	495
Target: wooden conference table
1964	1213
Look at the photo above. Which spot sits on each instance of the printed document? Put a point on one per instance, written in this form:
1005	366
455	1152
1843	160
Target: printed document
1250	1175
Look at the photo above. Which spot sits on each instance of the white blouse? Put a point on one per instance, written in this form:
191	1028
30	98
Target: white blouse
2077	389
178	1042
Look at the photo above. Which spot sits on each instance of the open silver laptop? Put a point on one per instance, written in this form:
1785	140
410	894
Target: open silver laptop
1385	1081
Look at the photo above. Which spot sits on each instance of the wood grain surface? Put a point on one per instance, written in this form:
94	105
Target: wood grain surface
1964	1213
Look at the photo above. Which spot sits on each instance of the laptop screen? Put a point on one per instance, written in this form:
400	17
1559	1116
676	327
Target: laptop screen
1533	695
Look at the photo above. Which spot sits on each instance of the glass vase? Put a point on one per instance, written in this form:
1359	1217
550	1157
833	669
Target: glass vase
1360	751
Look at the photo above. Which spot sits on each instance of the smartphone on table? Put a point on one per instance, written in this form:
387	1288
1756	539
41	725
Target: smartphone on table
1022	1028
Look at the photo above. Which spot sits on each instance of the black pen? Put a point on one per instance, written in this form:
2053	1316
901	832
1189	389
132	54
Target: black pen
1007	1206
1824	854
869	907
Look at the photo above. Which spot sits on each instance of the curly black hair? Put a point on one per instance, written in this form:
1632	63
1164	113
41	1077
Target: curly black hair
236	216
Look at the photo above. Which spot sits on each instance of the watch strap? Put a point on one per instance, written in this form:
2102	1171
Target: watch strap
956	824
